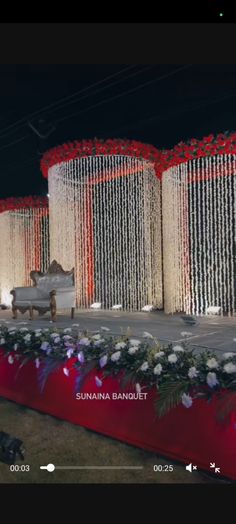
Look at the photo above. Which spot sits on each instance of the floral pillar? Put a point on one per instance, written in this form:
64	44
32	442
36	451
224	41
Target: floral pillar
105	220
199	225
24	235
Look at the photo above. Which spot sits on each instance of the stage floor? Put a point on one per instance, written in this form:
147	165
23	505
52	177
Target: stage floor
214	332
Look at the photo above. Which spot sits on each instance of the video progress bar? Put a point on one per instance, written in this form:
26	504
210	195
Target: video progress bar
52	467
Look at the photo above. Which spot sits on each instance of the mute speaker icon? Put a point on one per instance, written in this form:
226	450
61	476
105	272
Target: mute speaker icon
190	467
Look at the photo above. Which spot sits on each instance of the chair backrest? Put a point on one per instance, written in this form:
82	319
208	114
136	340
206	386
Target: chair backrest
55	278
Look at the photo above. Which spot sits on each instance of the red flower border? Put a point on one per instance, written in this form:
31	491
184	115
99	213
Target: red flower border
79	149
13	203
224	143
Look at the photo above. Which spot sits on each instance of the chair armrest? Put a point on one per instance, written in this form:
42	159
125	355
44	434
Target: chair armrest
60	290
25	293
65	297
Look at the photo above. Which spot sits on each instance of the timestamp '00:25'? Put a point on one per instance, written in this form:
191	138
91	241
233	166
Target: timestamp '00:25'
163	467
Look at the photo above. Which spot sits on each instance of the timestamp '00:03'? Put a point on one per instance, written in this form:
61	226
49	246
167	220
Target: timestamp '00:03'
163	467
22	467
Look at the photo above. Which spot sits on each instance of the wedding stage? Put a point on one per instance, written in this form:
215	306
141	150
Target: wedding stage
185	435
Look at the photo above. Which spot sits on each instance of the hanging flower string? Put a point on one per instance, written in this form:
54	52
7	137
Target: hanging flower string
179	375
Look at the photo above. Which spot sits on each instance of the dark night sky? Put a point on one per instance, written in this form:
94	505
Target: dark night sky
175	104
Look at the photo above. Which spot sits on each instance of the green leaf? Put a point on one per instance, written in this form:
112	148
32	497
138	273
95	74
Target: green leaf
169	396
128	379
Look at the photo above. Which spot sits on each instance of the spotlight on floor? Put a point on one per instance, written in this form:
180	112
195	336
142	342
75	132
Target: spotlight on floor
96	305
213	310
117	306
148	307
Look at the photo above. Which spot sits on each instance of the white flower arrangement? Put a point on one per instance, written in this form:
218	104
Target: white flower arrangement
151	365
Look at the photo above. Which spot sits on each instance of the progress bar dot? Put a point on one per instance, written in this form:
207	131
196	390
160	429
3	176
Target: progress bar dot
49	467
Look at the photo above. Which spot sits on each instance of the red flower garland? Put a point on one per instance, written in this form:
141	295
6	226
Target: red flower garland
94	147
224	143
13	203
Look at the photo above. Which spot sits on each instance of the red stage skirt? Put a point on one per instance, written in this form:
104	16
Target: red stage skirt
184	434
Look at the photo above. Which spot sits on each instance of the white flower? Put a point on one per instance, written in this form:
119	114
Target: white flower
81	358
96	337
67	330
2	341
138	388
38	334
70	352
37	363
46	329
157	369
12	333
144	366
66	372
225	356
147	335
44	346
159	354
134	342
103	361
192	372
15	347
104	328
27	337
56	340
211	379
185	334
84	341
172	358
75	325
38	330
178	349
54	335
230	368
10	359
120	345
132	350
99	342
98	382
187	400
21	329
212	363
115	356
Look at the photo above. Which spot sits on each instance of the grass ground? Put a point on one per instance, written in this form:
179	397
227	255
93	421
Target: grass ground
49	440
